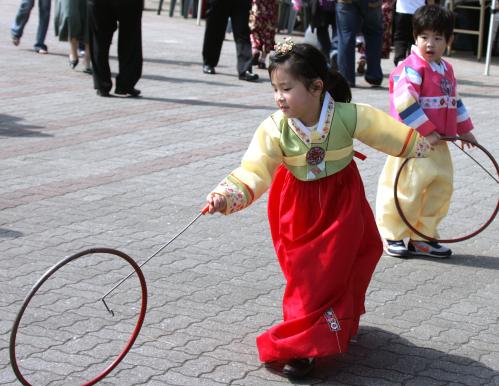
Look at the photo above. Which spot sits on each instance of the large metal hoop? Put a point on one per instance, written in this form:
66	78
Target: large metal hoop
48	274
457	239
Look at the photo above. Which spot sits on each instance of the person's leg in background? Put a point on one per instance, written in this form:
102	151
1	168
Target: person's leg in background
402	37
239	14
102	24
373	35
129	45
216	24
20	20
347	23
43	25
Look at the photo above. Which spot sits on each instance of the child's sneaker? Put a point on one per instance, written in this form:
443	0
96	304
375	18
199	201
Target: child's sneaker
396	248
428	248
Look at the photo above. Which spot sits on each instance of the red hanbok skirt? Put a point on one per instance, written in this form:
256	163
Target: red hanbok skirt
328	245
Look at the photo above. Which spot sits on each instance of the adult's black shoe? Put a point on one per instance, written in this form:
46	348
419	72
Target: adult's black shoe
298	368
373	82
102	93
209	69
248	76
133	92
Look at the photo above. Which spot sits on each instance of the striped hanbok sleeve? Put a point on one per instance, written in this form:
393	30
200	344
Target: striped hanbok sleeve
464	123
406	90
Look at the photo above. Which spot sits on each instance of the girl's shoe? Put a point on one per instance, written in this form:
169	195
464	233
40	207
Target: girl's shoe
298	368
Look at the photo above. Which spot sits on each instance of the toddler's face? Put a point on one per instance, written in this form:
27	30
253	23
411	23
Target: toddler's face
292	97
431	45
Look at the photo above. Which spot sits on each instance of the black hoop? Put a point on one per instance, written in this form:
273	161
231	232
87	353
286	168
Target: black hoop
457	239
50	272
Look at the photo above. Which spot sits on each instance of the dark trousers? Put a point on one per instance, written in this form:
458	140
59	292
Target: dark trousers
402	37
103	18
217	15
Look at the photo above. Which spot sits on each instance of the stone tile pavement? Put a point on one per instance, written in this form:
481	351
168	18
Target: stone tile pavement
79	171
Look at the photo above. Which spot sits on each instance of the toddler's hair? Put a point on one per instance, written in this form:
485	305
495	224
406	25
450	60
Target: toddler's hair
307	63
433	18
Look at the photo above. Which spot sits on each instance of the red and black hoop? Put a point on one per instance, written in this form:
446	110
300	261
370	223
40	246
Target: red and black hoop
470	234
49	274
75	287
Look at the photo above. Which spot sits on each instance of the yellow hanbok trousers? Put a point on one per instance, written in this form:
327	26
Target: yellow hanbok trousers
424	191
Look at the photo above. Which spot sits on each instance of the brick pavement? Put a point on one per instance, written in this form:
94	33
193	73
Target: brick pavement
81	171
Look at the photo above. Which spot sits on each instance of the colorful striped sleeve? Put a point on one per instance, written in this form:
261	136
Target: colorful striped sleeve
406	90
464	123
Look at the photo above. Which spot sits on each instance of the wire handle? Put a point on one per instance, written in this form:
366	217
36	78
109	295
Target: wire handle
201	213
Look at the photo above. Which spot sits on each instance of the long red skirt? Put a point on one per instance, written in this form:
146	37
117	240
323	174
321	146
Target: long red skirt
328	246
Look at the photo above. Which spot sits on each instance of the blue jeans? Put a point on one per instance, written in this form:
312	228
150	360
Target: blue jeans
353	16
23	16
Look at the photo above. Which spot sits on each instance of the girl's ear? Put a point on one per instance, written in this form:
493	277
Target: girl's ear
317	87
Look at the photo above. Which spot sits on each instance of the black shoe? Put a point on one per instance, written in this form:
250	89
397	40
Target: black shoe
133	92
207	69
298	368
373	82
248	76
102	93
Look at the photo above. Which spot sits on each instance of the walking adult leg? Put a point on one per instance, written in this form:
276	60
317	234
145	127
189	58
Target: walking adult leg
43	25
129	44
21	19
239	16
214	34
102	24
373	35
347	22
402	37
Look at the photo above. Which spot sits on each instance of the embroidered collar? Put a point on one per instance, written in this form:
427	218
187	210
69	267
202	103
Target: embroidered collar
437	67
323	126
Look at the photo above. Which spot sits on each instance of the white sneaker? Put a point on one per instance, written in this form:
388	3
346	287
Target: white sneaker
428	248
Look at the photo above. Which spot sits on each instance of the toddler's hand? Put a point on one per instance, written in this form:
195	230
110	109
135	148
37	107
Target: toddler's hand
433	138
216	203
468	137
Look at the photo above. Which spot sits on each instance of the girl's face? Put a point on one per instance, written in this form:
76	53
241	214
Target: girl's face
294	99
431	45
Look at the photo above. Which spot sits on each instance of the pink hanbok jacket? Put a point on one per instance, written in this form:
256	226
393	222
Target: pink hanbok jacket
423	95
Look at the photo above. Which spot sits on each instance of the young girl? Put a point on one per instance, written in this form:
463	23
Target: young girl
322	227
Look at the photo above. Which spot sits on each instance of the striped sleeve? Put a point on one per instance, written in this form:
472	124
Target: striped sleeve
464	123
406	90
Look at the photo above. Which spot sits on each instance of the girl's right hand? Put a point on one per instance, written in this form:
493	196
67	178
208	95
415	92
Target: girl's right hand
216	203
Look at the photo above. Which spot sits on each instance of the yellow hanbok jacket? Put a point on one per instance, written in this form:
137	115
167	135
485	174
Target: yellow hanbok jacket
313	154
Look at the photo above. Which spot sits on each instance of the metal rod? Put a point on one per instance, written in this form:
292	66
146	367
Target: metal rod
203	211
478	163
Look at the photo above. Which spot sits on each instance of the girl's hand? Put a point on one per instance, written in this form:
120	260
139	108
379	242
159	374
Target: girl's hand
468	137
216	203
433	138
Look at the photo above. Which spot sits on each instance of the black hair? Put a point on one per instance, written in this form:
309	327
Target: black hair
307	63
433	18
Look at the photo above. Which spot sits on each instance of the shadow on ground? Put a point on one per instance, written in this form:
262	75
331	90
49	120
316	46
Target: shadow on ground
378	357
12	126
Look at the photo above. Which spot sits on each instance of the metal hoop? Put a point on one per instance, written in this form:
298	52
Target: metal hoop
457	239
50	272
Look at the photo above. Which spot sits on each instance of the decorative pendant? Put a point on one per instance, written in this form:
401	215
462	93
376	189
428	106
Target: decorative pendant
315	155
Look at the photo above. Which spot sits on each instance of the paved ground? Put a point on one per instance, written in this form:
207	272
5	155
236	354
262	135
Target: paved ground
79	171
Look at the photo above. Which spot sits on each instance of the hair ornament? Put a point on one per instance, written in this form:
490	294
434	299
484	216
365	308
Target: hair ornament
284	47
